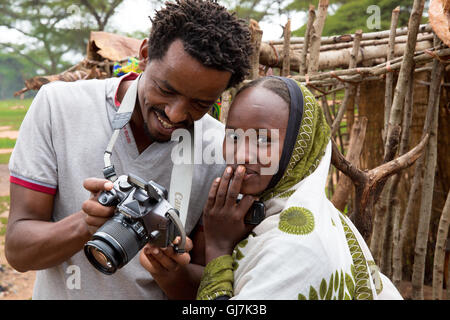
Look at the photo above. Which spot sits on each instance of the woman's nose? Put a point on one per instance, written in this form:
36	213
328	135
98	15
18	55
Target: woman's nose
246	152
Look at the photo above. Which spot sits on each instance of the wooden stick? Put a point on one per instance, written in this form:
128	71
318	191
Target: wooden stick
350	89
316	34
428	184
286	50
367	183
334	58
367	43
305	47
405	70
389	75
356	143
439	252
394	203
256	36
367	36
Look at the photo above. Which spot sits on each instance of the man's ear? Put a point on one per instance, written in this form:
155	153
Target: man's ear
143	55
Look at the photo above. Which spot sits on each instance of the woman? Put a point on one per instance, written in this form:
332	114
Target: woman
304	248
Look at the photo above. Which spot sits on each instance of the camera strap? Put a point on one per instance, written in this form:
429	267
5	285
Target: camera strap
121	118
181	181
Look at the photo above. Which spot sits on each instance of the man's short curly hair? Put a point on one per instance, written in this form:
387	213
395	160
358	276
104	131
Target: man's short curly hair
217	38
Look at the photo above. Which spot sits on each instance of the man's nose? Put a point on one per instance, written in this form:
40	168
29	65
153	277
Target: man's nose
177	110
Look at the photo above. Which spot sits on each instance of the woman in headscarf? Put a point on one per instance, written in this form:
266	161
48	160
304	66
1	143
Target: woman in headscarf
304	248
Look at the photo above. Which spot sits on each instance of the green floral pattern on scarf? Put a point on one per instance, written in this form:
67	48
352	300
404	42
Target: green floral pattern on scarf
296	220
341	286
312	139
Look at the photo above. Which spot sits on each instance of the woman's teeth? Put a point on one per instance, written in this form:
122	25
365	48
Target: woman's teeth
164	124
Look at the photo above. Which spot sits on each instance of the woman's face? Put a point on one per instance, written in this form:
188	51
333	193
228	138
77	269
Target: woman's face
254	109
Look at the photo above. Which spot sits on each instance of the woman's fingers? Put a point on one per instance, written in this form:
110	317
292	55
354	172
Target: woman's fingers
212	194
223	187
244	205
235	186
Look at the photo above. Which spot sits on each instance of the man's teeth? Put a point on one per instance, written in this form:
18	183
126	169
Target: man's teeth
164	124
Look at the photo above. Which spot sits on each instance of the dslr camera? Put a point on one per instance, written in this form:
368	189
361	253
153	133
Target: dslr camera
143	215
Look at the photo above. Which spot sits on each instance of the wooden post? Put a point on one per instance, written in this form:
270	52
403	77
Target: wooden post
394	204
311	17
256	36
350	89
286	50
405	70
439	252
389	75
316	34
428	183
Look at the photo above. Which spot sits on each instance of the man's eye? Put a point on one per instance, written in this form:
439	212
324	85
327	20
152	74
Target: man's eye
165	92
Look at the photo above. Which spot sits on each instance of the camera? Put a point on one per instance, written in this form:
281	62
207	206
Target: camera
143	215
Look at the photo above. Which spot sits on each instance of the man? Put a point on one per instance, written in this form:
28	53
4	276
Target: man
195	51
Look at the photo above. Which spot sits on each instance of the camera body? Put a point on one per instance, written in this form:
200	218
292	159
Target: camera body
143	215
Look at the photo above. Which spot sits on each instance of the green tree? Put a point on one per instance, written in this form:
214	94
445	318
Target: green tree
52	28
352	15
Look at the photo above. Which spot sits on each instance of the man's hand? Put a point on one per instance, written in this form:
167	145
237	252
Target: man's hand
164	262
96	214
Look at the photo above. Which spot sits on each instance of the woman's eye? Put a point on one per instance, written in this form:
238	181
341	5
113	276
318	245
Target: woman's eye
232	136
262	140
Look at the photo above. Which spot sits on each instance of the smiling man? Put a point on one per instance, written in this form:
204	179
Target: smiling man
195	51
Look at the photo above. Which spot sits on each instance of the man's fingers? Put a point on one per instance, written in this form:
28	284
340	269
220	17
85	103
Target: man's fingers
149	263
95	221
93	208
223	187
188	246
95	185
235	186
162	257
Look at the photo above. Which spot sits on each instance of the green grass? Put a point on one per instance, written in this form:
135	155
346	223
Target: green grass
4	206
4	203
4	158
11	115
6	143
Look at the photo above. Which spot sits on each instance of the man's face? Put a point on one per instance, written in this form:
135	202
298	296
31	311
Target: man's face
177	90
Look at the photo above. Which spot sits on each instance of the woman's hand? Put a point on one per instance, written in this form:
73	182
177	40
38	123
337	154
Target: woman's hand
223	218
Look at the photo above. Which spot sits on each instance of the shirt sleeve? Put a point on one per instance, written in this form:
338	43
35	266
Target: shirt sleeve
33	162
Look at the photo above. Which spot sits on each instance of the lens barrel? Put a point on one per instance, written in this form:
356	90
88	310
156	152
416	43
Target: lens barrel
113	245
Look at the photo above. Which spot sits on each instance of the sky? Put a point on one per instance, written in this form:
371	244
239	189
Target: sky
133	15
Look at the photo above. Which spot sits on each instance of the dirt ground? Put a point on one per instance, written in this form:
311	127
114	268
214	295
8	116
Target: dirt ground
13	285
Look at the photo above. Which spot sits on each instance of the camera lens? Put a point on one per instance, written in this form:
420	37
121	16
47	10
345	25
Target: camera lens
113	245
101	256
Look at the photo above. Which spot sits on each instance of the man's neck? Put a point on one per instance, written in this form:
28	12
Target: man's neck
137	122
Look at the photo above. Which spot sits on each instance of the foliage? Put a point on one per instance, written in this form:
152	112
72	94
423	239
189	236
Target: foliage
46	35
353	15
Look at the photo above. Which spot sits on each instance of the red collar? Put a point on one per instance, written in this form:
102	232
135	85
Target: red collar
128	77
